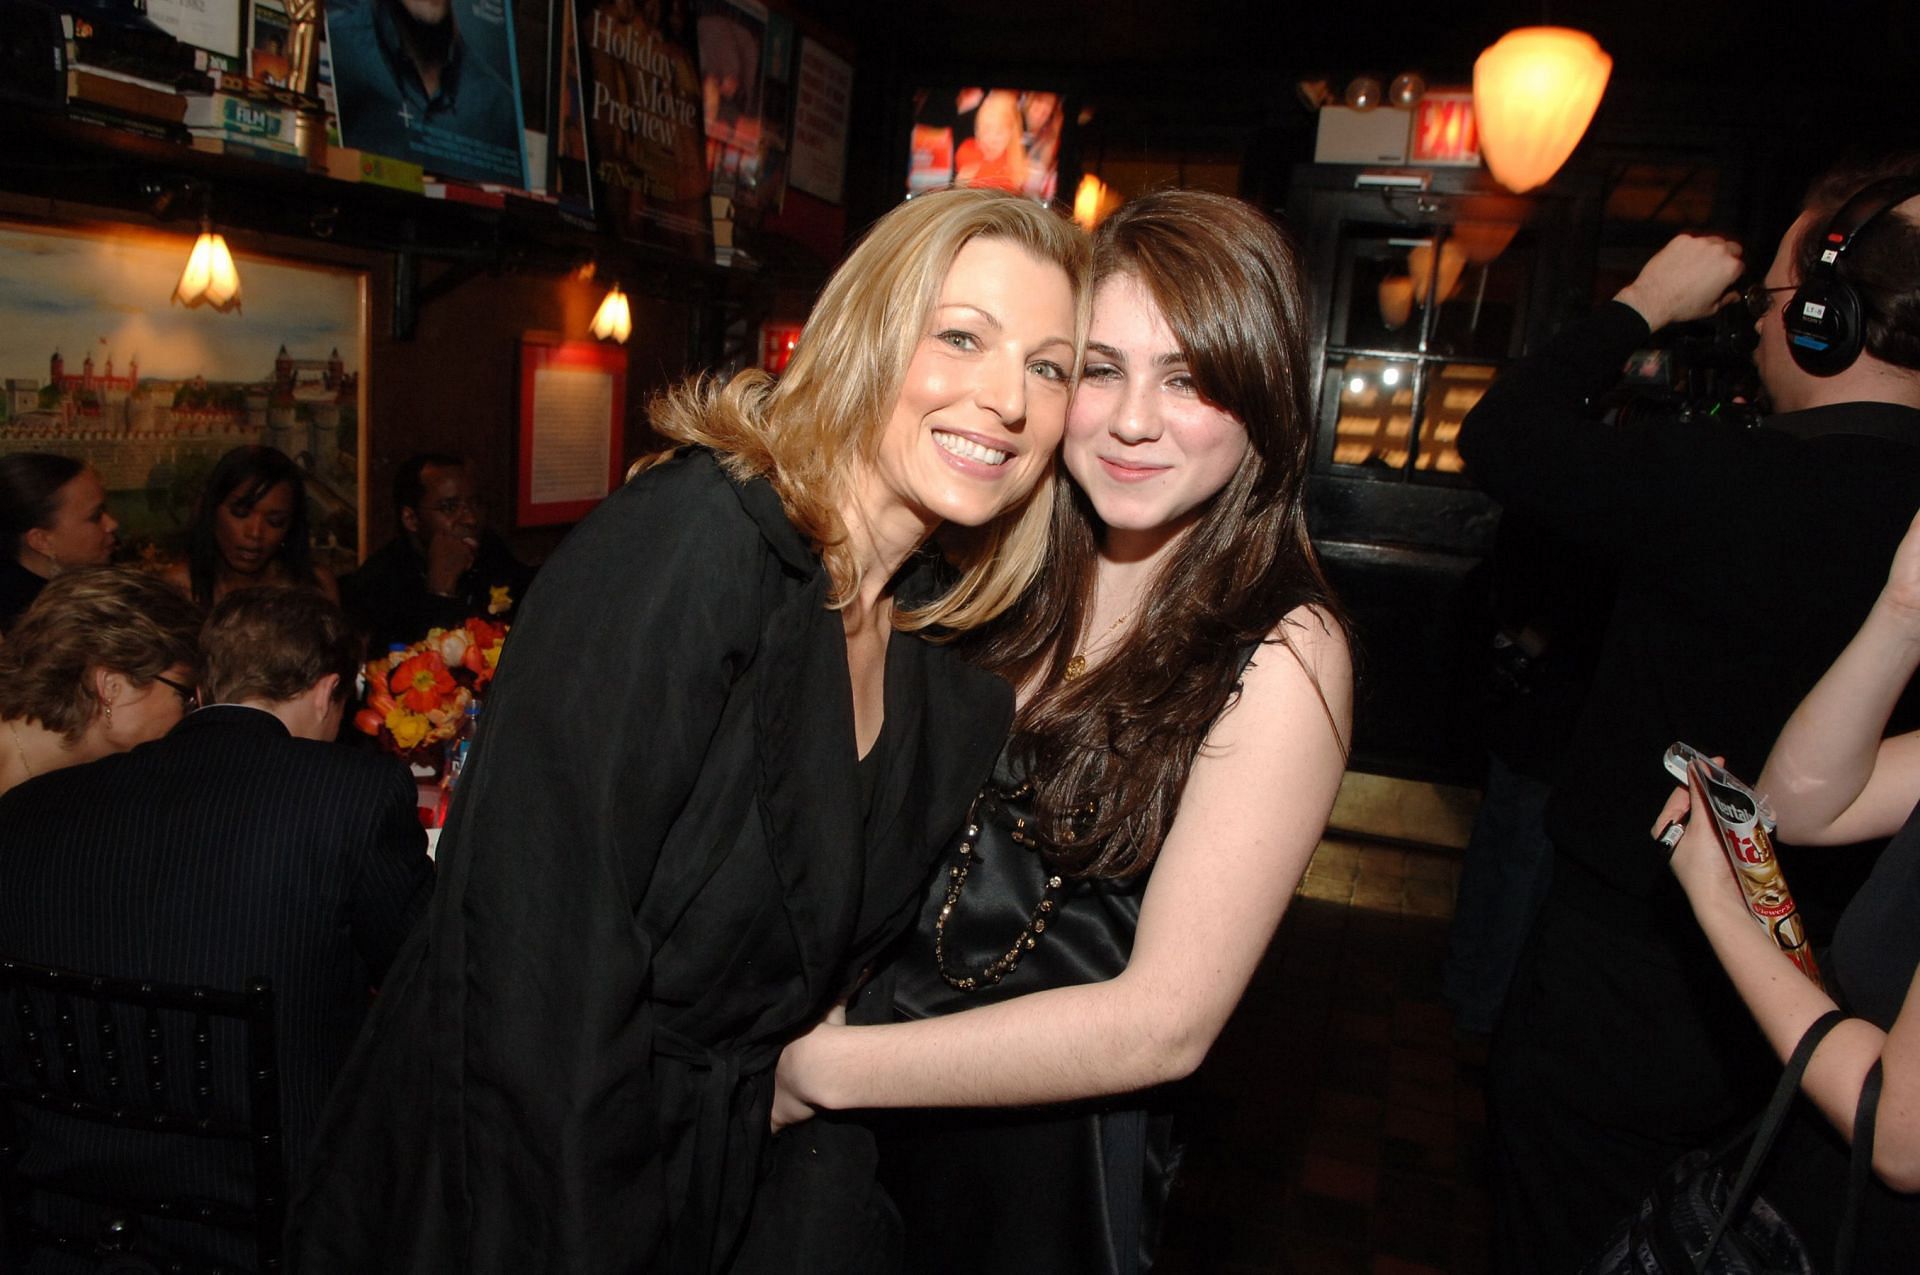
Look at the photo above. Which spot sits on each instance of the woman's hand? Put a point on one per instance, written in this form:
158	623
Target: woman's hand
1697	859
791	1106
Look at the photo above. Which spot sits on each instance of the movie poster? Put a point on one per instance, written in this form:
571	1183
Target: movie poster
746	65
640	95
432	82
1008	139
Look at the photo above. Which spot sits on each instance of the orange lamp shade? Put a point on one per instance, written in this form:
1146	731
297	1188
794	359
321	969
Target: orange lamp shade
210	278
1092	201
1534	93
613	321
1396	301
1421	269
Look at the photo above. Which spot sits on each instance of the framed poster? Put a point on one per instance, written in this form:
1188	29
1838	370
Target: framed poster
97	364
573	409
746	77
640	102
446	97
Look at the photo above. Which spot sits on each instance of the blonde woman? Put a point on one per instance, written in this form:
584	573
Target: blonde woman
712	776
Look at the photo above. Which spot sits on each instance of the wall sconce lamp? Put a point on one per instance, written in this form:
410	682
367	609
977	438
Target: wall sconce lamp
1534	93
1093	199
210	278
613	321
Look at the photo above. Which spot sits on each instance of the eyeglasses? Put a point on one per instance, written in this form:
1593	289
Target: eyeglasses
189	695
1759	298
453	505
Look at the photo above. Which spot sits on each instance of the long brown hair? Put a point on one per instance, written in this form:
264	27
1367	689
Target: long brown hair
805	432
1110	751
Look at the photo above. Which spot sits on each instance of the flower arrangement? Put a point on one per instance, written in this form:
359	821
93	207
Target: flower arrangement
417	697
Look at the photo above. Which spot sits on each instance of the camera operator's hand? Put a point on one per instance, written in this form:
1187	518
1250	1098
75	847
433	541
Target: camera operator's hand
1690	278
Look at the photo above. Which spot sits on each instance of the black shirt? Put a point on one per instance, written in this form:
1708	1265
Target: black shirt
1747	559
18	588
388	595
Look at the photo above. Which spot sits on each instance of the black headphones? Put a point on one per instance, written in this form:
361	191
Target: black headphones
1825	329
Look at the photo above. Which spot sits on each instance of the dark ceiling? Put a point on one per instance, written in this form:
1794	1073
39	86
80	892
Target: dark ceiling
1796	83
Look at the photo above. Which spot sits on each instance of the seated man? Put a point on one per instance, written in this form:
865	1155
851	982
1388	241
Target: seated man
240	845
444	566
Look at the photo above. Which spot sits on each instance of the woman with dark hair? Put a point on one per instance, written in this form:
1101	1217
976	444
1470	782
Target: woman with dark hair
53	515
715	767
251	529
104	659
1184	700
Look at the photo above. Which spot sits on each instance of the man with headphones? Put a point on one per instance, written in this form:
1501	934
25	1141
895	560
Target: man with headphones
1747	557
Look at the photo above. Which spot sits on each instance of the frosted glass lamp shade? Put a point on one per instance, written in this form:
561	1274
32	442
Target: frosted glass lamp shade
210	278
613	321
1534	93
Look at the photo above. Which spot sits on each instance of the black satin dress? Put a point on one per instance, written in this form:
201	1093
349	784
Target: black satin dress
1070	1188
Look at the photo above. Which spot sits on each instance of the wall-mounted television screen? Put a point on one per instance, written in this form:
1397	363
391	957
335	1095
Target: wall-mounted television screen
973	136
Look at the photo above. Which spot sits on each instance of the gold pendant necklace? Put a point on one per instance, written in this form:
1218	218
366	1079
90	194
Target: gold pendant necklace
1077	663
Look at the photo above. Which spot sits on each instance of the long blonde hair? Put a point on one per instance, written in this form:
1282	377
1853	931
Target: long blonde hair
803	432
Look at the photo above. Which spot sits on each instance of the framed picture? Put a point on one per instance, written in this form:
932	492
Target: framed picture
573	407
97	363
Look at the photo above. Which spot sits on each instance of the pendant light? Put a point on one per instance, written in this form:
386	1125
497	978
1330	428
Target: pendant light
613	321
1534	93
210	278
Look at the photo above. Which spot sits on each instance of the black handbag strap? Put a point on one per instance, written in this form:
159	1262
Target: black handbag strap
1770	1122
1859	1169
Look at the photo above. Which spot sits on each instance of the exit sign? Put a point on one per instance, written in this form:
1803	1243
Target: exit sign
1444	131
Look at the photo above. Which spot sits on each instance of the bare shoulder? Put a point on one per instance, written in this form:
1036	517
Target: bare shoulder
175	573
1316	639
1307	648
1302	674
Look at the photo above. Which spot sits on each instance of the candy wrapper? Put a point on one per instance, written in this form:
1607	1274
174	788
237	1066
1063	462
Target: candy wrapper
1745	825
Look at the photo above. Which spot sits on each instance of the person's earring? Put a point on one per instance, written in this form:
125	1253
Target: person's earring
109	707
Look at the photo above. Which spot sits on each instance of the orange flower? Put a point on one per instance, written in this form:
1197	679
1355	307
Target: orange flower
369	720
377	697
421	682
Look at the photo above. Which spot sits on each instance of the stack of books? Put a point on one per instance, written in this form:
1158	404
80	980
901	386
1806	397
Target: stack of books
248	118
130	76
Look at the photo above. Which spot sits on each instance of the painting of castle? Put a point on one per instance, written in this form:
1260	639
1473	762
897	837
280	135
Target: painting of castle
97	363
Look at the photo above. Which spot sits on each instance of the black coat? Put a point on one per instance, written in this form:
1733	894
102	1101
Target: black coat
226	851
654	875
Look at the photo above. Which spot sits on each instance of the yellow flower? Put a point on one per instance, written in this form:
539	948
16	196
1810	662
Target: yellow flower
409	729
499	600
